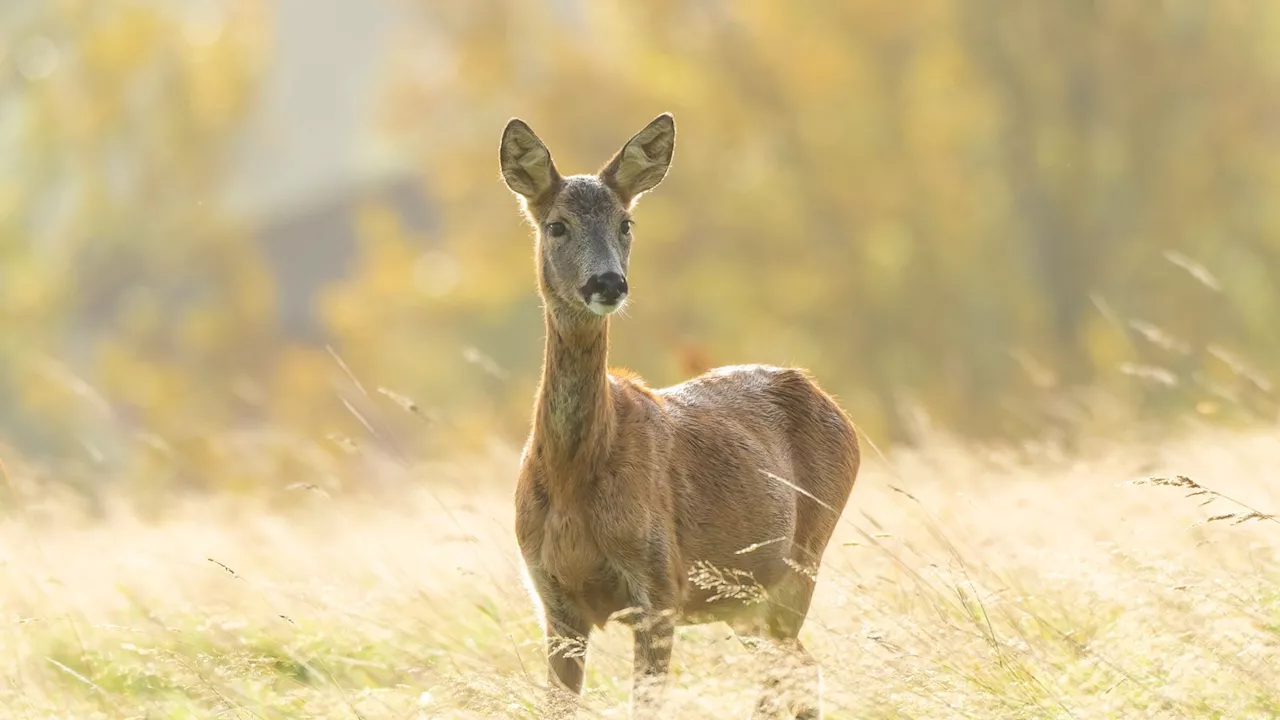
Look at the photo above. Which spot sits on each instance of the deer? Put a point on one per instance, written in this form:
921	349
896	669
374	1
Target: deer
627	496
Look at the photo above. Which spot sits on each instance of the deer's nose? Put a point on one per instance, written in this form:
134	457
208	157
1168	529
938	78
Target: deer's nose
607	287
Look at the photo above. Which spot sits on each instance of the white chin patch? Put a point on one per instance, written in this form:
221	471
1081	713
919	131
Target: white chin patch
602	309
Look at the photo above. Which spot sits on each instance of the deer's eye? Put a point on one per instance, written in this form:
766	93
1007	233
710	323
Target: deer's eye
556	229
626	227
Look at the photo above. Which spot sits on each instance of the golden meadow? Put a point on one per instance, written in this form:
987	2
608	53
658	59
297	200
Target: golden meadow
270	336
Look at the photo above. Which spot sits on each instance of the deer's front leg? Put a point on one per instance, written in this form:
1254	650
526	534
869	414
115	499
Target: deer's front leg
654	637
567	635
652	615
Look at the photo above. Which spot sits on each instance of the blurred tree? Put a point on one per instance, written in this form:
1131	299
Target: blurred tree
1001	220
117	259
1136	140
936	206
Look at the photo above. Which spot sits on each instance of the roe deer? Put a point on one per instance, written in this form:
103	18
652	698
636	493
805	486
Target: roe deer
628	496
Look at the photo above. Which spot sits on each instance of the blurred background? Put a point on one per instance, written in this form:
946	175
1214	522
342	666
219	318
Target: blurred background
242	240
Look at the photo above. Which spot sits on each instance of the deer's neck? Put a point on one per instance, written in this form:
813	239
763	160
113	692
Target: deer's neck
574	421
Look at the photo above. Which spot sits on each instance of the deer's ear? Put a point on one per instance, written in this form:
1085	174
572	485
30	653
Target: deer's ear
526	163
642	163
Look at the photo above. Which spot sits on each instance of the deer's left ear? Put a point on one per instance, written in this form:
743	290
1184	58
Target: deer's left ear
642	163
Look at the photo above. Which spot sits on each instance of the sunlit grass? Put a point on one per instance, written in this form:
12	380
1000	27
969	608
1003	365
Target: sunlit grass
960	584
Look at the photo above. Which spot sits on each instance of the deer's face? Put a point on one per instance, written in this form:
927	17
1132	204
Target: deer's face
584	221
584	244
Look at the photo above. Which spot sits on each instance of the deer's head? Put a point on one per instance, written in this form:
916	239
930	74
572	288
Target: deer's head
584	221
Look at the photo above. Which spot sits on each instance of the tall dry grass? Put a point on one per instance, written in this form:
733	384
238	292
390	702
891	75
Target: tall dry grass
962	583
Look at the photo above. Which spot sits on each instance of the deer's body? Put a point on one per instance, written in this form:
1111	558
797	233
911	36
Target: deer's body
682	478
624	491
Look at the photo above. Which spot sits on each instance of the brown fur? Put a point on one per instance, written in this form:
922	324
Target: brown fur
623	489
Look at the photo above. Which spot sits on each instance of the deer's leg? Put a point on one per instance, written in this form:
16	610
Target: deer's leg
567	649
654	637
567	634
793	683
652	617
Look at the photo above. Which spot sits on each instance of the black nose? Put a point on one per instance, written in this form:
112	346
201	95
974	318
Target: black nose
608	286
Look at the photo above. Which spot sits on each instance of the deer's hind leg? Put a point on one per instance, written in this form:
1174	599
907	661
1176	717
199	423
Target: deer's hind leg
795	688
793	679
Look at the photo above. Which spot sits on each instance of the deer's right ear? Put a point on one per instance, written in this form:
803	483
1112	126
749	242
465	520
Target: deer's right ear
526	163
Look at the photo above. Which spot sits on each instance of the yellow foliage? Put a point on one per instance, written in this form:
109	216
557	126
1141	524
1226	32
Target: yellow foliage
960	207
